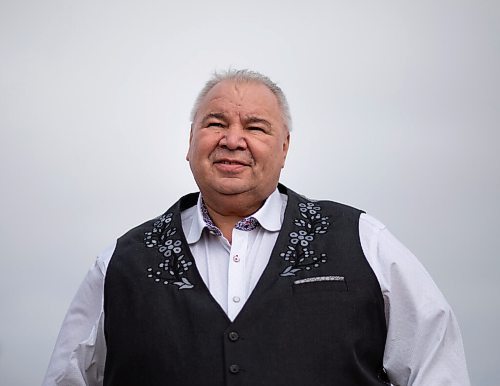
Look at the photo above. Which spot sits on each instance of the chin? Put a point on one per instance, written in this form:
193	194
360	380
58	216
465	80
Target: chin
229	186
231	189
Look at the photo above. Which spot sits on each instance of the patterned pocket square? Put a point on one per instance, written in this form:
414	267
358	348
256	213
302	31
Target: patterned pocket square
319	279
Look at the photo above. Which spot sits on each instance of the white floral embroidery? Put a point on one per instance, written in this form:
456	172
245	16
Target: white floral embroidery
174	265
300	254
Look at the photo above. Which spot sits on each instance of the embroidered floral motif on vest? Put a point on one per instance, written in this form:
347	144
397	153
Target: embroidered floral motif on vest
167	242
300	253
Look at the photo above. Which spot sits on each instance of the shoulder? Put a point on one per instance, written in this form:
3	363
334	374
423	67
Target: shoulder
370	232
370	223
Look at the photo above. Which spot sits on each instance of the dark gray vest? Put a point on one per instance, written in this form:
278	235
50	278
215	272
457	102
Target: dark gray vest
316	316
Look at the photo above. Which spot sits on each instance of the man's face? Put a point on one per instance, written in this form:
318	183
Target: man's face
238	142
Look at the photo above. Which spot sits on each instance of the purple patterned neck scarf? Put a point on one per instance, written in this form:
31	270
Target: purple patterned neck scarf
247	224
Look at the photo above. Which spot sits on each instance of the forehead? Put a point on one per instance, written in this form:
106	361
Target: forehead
240	97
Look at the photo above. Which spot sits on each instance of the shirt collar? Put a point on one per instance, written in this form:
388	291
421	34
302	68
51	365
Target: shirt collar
268	216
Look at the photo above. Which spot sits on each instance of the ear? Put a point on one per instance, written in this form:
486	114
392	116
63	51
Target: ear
190	140
286	144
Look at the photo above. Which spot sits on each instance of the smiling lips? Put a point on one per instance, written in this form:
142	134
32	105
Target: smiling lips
231	162
229	165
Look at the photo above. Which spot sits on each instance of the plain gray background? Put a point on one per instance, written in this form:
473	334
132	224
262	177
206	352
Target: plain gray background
395	106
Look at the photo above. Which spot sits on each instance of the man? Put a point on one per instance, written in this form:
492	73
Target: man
249	283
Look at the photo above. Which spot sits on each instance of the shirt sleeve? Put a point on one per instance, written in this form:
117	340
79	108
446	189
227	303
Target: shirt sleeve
80	351
424	346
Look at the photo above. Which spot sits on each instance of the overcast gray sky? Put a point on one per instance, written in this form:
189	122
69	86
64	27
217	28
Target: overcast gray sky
395	108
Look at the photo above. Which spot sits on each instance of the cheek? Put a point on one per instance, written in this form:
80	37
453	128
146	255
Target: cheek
269	155
203	144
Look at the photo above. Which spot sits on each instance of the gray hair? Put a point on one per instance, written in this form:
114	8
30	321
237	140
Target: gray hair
245	76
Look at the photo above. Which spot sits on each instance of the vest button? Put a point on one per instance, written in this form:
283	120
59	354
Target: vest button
234	369
233	336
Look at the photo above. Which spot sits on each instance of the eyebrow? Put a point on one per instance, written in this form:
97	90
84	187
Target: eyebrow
221	116
255	119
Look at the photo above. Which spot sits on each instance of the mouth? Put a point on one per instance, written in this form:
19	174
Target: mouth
231	162
230	166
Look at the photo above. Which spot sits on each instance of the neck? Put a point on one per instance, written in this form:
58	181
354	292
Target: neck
225	211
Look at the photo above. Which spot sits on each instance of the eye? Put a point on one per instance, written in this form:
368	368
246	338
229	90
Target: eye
215	124
256	128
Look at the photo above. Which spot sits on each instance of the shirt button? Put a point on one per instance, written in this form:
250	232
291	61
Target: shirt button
233	336
236	258
236	299
234	369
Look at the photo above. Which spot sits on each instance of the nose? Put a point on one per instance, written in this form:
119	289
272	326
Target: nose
234	138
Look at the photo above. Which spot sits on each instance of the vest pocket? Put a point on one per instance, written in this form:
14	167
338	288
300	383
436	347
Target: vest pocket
320	283
322	298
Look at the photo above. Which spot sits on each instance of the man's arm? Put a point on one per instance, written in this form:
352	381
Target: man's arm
424	345
80	351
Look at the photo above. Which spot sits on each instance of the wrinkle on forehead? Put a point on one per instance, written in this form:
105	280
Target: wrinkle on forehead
242	88
241	91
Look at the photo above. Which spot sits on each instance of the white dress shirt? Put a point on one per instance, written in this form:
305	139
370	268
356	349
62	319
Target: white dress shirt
423	346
